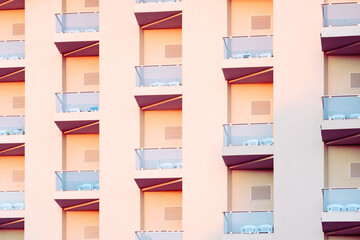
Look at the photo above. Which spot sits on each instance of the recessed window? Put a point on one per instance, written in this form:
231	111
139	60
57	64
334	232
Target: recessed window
260	108
91	232
355	170
173	51
18	29
19	102
173	132
91	155
91	3
355	80
260	22
18	176
91	78
173	213
261	193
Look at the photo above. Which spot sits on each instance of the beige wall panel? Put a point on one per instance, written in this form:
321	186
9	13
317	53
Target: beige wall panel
155	125
7	19
243	10
79	6
154	45
76	144
77	220
242	181
7	166
7	92
154	210
75	69
241	97
17	234
339	158
339	69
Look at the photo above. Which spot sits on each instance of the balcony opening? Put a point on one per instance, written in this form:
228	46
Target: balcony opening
158	76
82	225
158	158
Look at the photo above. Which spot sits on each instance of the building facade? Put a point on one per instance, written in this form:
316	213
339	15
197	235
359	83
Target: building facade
179	120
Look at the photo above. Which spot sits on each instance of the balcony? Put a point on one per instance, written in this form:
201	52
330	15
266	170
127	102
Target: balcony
341	32
12	210
77	34
162	158
12	135
158	76
77	190
341	125
341	211
159	235
248	225
77	112
248	146
12	5
12	54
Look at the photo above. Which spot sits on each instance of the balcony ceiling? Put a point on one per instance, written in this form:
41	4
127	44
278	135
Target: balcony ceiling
341	136
249	75
159	184
12	74
12	149
78	127
159	20
79	204
348	45
11	5
341	228
78	48
159	102
250	162
11	223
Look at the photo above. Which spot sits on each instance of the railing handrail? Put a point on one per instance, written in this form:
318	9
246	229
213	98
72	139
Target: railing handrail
249	36
85	12
340	188
64	171
77	92
343	95
5	116
157	231
158	148
6	191
159	65
236	124
13	40
339	3
242	211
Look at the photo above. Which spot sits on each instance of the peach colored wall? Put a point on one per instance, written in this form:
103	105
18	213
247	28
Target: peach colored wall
77	220
241	97
339	159
154	128
7	92
241	190
7	19
339	69
78	6
7	165
154	210
75	69
16	234
154	45
75	146
241	12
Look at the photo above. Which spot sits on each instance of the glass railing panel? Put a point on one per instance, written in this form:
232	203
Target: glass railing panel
165	158
12	50
341	107
77	180
257	134
150	1
248	47
12	201
159	235
77	22
249	222
341	200
12	125
341	14
156	76
77	102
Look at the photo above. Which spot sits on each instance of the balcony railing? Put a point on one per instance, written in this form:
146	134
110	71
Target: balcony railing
12	125
341	107
165	158
249	222
77	180
77	102
77	22
161	235
257	134
341	200
12	50
248	47
12	200
155	76
150	1
341	14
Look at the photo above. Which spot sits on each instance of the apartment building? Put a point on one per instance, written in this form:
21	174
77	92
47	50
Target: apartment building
179	120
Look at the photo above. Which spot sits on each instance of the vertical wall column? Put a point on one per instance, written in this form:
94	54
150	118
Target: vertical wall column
43	151
298	86
204	112
119	120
